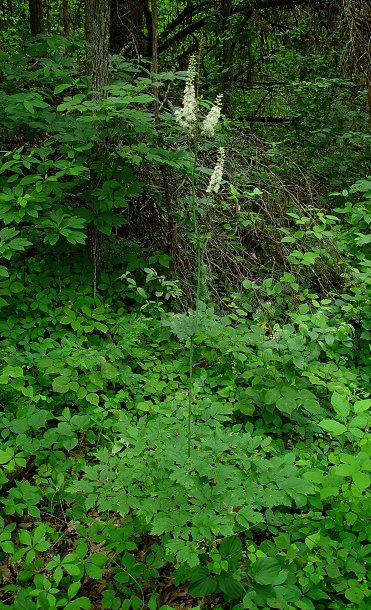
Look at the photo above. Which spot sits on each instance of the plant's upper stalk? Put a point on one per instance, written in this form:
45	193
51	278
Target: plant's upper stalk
188	117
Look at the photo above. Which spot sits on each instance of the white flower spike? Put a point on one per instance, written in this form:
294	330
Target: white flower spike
187	115
210	122
217	175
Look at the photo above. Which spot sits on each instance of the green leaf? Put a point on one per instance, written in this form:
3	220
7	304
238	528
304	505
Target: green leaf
230	586
42	546
81	549
93	571
29	106
286	404
6	455
360	421
23	602
231	549
362	405
365	239
265	570
13	371
60	88
340	404
361	480
356	432
19	554
272	396
25	537
326	492
344	470
185	551
354	595
290	593
313	540
7	546
72	569
141	292
81	603
33	511
39	532
108	371
162	523
203	583
143	98
92	398
99	559
332	426
164	260
247	517
58	574
61	384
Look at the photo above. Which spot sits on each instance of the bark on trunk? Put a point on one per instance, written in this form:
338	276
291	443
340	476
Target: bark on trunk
66	18
227	74
36	17
97	20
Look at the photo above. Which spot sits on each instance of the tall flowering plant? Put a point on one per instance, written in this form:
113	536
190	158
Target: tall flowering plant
189	118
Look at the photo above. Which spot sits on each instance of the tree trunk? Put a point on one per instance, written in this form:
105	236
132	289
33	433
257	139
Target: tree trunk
66	18
126	29
97	20
164	170
36	17
227	74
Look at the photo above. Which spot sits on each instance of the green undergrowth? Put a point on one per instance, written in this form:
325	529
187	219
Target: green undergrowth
100	505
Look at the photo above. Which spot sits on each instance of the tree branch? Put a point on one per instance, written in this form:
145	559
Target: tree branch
189	29
268	119
190	11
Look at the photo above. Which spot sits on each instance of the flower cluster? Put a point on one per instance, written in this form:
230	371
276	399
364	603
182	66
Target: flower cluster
209	124
187	115
216	176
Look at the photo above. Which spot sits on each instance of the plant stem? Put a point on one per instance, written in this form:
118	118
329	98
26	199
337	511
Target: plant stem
197	298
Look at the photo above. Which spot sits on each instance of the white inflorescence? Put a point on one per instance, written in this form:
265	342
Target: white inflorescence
216	176
209	124
187	115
